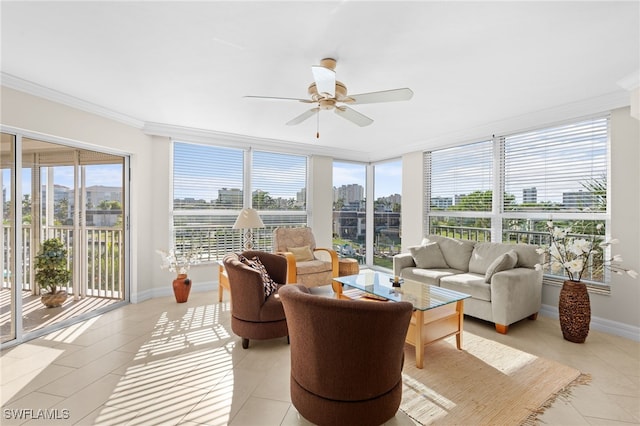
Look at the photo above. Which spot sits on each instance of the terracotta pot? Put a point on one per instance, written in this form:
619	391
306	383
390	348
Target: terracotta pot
54	300
181	288
574	309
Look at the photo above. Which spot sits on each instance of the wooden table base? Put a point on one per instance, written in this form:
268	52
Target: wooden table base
435	324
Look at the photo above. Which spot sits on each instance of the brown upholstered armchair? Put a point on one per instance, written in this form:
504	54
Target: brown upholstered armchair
252	315
306	266
346	357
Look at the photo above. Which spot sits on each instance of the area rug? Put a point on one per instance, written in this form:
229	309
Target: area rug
486	383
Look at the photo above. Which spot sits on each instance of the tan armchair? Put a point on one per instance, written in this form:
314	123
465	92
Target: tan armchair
306	264
346	357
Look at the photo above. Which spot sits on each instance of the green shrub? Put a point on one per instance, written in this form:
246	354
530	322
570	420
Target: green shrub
51	265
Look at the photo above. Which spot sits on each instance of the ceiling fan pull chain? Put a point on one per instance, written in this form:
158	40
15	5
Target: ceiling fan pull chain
318	125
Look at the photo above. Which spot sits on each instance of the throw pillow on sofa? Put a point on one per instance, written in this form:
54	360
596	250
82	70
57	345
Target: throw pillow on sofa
502	263
428	256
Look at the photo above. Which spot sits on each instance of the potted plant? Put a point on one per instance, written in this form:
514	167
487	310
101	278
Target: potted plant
52	272
180	262
571	255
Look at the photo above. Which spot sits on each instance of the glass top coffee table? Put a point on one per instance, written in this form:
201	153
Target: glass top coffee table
438	312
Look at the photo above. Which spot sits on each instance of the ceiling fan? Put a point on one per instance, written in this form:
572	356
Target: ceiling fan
330	94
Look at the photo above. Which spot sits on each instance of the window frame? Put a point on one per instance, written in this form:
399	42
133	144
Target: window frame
498	214
223	219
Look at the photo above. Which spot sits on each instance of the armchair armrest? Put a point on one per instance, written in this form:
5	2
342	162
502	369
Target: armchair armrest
335	266
292	271
401	261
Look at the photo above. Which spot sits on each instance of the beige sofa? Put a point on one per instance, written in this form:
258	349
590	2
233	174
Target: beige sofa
501	278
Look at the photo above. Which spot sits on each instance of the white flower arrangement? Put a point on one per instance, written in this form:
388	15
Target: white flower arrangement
179	263
572	253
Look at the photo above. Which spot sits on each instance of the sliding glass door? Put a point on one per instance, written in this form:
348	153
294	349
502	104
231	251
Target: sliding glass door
76	196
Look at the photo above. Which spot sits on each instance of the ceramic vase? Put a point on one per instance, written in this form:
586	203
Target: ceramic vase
181	288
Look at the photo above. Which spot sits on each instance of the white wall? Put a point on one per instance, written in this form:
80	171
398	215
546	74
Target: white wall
412	199
321	199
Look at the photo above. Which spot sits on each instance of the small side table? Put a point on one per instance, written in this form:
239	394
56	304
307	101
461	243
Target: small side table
348	266
223	281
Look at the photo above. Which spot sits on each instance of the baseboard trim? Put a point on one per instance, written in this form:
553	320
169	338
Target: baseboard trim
165	291
600	324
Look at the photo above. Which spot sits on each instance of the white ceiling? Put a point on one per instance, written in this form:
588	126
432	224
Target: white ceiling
476	68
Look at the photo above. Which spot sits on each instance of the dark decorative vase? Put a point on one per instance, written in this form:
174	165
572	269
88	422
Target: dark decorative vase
574	309
181	288
54	300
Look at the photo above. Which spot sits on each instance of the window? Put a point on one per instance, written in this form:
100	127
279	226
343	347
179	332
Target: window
561	169
557	173
278	192
461	187
387	183
209	187
349	209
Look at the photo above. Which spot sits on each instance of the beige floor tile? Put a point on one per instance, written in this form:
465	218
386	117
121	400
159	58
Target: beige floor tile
90	398
107	416
167	407
38	379
82	377
206	374
293	418
590	401
89	354
214	408
269	412
562	413
276	383
14	368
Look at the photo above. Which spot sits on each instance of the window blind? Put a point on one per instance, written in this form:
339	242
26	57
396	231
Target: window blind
278	181
461	178
562	168
207	177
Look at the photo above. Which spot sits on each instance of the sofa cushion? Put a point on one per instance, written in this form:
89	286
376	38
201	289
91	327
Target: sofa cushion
313	267
428	256
456	252
527	255
484	254
503	262
469	283
428	276
301	254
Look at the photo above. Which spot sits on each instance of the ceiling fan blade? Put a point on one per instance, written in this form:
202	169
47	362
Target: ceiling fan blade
325	79
353	116
305	115
383	96
306	101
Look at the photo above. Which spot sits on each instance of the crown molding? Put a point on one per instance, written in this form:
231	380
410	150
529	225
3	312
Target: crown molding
233	140
35	89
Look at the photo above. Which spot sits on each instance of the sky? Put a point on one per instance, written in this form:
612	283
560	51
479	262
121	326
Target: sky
105	175
388	176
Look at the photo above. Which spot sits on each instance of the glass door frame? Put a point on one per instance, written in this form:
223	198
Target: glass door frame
18	335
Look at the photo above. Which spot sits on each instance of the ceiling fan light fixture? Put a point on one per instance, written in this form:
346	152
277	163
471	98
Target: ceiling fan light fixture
328	93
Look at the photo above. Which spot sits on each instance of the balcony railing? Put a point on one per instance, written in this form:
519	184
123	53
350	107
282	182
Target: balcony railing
102	250
593	271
